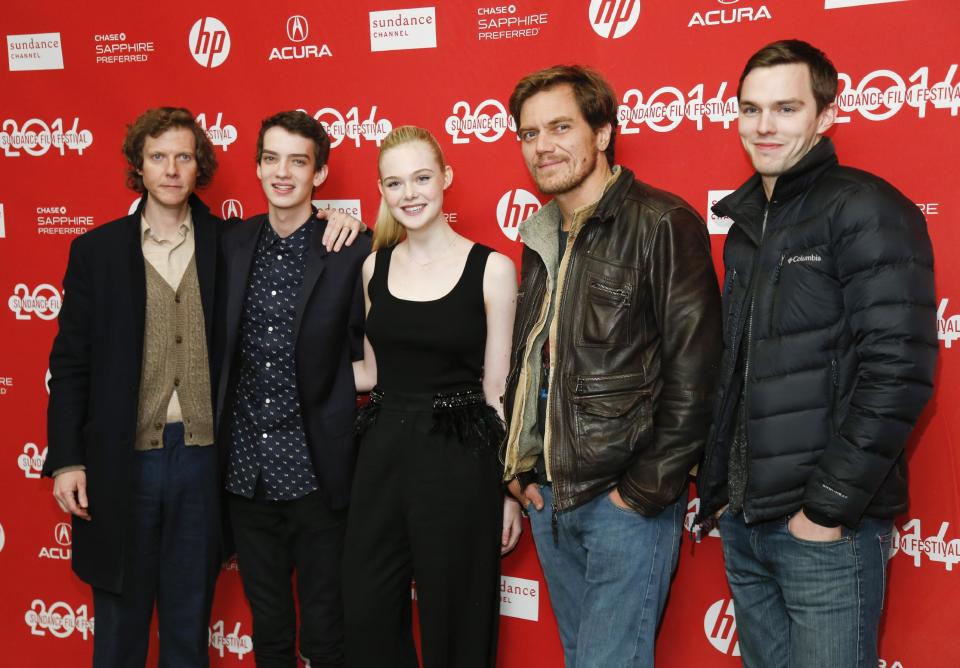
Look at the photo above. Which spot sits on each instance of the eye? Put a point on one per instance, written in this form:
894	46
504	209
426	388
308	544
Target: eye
269	159
748	110
156	156
299	162
391	183
185	157
423	178
562	127
787	109
528	135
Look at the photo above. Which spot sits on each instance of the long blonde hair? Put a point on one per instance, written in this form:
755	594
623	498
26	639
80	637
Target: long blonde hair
387	230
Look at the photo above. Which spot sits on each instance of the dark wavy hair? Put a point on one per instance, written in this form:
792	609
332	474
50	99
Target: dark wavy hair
298	123
594	96
153	123
823	75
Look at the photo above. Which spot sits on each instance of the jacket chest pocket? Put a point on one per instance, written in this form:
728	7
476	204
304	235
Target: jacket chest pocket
605	302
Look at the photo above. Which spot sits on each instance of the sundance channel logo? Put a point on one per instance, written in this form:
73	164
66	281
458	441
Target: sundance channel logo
41	51
401	29
520	598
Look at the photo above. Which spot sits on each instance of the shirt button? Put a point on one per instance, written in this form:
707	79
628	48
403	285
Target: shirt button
154	441
273	293
158	426
279	256
264	435
178	339
270	329
190	435
266	401
176	382
177	299
268	365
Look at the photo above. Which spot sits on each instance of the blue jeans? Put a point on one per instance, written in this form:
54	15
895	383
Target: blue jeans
806	604
608	576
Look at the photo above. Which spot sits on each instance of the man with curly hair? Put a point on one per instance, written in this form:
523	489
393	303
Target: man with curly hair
130	422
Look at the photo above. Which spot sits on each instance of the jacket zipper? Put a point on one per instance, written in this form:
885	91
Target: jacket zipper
554	404
746	366
619	293
775	282
834	383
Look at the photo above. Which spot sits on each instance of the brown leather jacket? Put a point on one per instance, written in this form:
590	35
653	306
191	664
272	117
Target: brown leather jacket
635	343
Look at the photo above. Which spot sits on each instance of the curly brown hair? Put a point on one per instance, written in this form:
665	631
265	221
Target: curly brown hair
298	123
153	123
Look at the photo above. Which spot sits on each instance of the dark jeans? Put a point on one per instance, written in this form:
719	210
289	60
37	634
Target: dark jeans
424	506
609	574
273	539
171	557
806	604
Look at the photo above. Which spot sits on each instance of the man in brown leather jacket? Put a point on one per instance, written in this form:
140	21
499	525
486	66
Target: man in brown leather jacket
616	344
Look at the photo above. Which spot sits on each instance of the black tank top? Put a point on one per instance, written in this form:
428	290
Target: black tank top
429	346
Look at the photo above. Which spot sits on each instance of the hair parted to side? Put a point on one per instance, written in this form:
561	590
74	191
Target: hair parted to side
388	231
594	96
153	123
298	123
823	75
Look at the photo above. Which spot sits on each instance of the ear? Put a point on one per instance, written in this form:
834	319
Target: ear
827	118
259	173
320	176
603	137
380	187
447	176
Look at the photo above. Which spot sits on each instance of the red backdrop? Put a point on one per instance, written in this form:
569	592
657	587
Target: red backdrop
77	72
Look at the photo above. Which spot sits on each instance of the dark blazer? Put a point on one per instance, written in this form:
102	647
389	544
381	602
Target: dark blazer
95	369
329	336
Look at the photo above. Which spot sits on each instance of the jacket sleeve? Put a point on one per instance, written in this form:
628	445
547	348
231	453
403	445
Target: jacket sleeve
685	302
70	367
885	269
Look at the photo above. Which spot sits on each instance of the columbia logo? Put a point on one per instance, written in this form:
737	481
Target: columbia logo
805	258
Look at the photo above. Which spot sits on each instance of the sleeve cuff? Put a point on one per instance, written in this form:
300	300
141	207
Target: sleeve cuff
819	518
68	469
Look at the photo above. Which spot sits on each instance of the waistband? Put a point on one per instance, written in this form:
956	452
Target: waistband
427	401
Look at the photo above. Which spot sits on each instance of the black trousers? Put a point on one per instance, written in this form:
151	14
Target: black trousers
424	507
171	558
273	539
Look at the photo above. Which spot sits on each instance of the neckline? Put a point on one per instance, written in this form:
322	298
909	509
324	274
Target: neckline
463	272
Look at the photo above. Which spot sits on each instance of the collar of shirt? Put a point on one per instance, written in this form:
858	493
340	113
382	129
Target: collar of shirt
296	243
185	229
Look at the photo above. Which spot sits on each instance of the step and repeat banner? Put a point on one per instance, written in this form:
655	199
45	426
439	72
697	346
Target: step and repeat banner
77	72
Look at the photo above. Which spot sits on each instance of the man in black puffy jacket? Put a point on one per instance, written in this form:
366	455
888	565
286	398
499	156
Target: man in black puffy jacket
829	352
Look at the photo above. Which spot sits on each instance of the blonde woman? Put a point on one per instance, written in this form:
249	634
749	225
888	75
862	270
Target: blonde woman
427	503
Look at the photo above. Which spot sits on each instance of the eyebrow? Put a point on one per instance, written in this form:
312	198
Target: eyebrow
419	171
267	151
551	123
797	102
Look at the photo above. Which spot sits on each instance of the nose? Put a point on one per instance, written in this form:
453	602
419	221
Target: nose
408	190
543	144
283	168
765	124
171	166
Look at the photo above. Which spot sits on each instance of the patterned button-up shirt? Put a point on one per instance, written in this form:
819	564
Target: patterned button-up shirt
269	443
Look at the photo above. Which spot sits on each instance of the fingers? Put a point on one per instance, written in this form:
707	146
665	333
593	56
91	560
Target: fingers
70	491
532	492
514	489
512	526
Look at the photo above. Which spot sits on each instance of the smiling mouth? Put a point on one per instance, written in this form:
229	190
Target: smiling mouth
283	188
413	209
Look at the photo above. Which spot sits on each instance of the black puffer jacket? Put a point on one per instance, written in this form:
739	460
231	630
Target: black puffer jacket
837	304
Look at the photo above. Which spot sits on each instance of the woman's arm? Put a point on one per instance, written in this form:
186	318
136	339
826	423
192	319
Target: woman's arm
365	370
500	303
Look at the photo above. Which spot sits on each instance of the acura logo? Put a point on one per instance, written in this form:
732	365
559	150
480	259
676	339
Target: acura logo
62	533
297	28
231	208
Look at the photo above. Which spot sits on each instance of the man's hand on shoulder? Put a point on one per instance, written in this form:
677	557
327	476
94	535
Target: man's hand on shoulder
70	491
342	229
